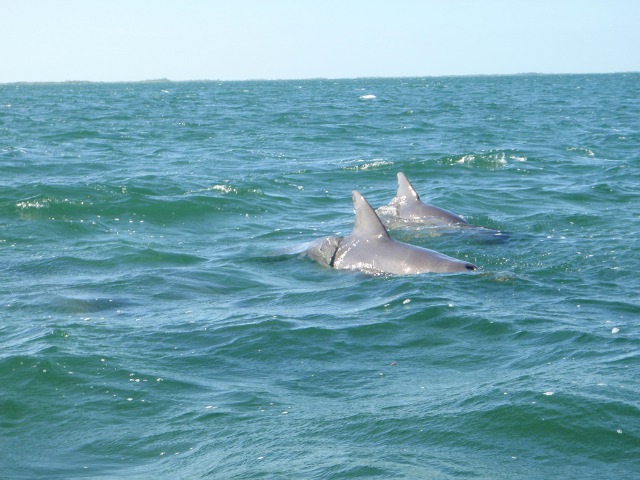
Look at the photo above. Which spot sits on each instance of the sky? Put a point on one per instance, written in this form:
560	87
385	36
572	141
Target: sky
135	40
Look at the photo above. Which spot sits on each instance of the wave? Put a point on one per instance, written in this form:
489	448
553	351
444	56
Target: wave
491	159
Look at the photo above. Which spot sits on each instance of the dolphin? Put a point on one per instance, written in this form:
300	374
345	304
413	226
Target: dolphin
407	205
370	249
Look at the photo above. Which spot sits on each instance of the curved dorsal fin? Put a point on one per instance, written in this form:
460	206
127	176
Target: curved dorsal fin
405	189
367	223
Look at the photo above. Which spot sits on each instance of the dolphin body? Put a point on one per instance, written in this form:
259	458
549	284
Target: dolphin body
370	249
406	205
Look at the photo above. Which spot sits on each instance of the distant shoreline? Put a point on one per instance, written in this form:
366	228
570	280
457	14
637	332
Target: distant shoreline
167	80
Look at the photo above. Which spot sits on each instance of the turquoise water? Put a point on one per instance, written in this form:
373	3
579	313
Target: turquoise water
157	321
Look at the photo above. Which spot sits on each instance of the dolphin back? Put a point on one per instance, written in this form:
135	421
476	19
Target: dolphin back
407	205
369	248
390	256
324	250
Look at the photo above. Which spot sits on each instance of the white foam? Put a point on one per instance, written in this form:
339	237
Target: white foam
370	165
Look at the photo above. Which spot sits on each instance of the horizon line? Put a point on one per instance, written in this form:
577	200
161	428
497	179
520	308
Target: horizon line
372	77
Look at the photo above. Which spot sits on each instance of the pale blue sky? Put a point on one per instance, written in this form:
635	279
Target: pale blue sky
122	40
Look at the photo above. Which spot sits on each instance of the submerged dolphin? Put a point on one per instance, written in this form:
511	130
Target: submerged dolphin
407	205
370	249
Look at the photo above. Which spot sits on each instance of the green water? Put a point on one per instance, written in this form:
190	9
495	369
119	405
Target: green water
158	322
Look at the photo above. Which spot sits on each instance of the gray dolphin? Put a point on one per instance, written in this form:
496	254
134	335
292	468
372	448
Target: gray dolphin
370	249
407	205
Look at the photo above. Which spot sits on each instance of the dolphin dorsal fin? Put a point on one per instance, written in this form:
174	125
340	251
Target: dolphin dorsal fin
367	222
405	189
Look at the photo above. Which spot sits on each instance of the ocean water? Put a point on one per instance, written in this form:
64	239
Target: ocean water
158	320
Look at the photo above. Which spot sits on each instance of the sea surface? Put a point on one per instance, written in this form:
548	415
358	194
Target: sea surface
158	319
